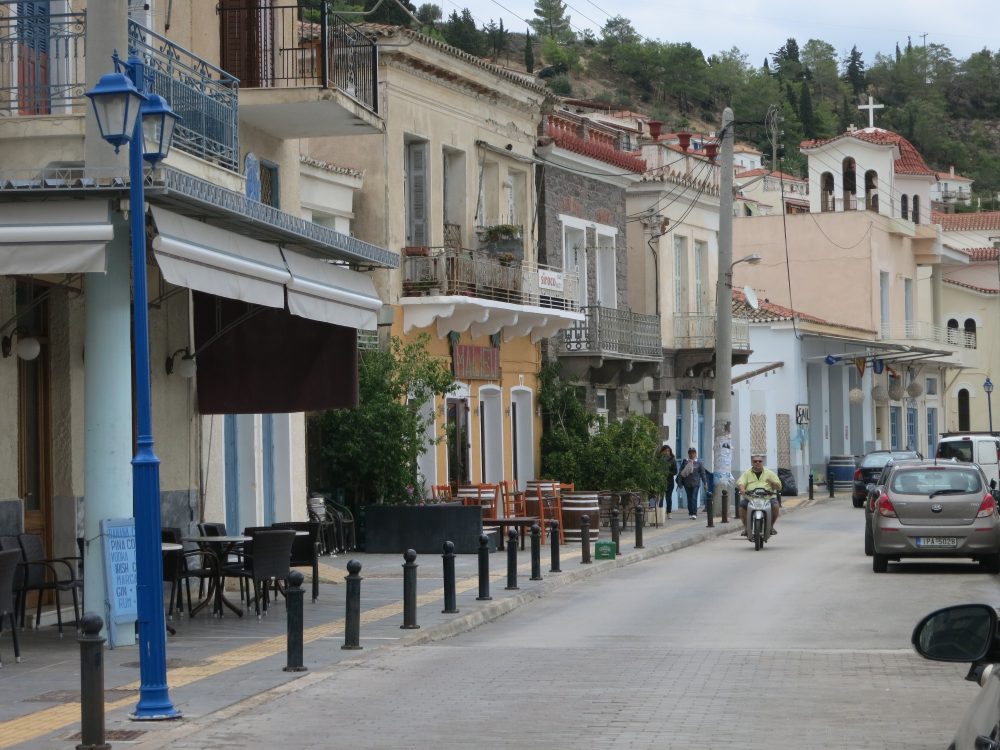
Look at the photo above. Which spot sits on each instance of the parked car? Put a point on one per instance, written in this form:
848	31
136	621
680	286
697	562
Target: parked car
982	448
967	633
874	489
869	467
938	509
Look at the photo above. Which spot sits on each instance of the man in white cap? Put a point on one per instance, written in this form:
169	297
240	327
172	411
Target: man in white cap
755	477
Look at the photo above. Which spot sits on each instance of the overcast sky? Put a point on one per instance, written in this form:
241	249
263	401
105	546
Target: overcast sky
759	27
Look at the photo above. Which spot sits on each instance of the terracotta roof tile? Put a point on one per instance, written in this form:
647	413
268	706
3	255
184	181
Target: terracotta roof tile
766	312
950	176
973	287
909	162
981	254
983	220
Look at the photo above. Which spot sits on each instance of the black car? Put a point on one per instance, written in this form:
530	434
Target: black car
869	468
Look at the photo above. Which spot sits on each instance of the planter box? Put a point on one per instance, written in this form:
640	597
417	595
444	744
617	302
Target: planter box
424	528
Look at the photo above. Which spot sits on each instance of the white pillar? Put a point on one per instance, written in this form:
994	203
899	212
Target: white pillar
107	414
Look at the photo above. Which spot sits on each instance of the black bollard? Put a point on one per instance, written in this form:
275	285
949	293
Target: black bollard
91	684
709	509
810	485
409	591
829	481
352	611
554	536
536	552
511	560
585	538
448	559
725	505
615	531
293	606
640	521
484	569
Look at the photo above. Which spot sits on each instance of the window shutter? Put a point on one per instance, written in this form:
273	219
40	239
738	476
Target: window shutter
417	193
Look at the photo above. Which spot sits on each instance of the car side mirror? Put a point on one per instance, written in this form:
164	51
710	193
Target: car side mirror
961	633
993	484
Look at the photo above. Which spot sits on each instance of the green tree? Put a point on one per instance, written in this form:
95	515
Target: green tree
806	115
551	20
372	449
820	59
854	72
529	52
498	38
461	31
429	14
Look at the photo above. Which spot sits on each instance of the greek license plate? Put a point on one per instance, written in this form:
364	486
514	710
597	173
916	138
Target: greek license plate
937	541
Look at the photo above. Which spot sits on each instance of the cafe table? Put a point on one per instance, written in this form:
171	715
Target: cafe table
221	546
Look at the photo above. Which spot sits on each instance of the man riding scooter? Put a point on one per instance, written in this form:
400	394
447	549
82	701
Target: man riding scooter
758	476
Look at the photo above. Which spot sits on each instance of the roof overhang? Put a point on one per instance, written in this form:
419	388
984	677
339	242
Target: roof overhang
848	350
485	317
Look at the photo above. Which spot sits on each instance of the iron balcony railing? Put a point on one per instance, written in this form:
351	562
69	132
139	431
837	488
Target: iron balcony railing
697	331
42	72
437	271
928	332
298	44
206	97
609	331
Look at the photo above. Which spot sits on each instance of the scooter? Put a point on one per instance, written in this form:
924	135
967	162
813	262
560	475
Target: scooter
758	523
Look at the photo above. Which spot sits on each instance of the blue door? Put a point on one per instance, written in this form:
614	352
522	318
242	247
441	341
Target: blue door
267	466
232	475
895	428
911	428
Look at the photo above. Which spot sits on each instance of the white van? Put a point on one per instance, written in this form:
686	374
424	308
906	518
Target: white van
982	448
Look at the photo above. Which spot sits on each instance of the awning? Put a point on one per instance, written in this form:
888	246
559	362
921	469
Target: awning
213	260
199	256
40	237
331	293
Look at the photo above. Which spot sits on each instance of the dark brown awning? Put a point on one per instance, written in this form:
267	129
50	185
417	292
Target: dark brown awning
262	360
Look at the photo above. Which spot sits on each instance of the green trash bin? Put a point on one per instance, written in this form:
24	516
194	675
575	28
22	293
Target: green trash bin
604	550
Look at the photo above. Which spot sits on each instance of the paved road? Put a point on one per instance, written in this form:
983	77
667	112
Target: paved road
685	650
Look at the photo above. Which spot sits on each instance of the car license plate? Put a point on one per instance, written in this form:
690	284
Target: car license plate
937	541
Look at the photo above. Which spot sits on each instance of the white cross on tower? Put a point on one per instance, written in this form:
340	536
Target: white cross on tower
871	106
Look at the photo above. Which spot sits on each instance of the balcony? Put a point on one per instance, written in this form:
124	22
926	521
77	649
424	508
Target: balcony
42	77
462	289
697	331
918	332
304	72
609	343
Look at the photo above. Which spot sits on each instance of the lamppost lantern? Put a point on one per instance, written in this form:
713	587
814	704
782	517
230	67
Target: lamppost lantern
119	101
116	103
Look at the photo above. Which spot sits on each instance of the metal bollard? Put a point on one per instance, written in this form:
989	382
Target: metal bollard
585	539
709	509
810	485
448	560
293	607
536	552
554	537
352	611
511	560
409	591
91	684
829	481
484	569
615	531
725	505
640	521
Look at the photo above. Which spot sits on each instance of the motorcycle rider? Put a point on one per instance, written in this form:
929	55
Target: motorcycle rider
755	477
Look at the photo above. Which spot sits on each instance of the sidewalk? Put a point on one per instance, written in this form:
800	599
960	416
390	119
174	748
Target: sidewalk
215	663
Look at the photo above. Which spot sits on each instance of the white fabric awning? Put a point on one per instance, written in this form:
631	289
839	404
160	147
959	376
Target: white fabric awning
40	237
331	293
199	256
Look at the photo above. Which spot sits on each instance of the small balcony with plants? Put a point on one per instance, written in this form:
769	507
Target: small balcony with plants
304	71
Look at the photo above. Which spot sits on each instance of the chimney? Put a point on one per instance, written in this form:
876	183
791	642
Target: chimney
655	127
952	170
684	139
711	149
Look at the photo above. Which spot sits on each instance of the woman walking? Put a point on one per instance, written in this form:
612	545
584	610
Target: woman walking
668	465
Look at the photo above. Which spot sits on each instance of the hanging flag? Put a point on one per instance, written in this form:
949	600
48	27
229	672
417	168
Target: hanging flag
877	366
860	363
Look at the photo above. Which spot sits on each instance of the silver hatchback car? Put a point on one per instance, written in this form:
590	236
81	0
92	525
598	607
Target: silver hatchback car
936	509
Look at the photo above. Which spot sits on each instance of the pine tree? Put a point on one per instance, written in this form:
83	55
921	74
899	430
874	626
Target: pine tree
461	32
529	53
806	115
855	73
551	20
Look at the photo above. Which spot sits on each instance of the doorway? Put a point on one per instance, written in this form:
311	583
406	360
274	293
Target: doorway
491	434
522	435
34	416
458	441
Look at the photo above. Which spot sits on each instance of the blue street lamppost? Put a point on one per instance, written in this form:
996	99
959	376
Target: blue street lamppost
988	388
126	114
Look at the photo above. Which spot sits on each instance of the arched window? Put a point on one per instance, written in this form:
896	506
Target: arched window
916	209
952	331
827	202
963	410
970	334
871	190
850	183
904	206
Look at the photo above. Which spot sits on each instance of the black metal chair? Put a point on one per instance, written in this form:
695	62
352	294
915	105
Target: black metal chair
329	533
345	525
10	560
267	560
41	574
305	548
183	566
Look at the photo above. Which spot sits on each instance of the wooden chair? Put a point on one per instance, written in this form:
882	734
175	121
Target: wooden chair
484	495
546	495
514	504
441	493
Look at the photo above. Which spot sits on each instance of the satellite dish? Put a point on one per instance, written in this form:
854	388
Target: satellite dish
751	297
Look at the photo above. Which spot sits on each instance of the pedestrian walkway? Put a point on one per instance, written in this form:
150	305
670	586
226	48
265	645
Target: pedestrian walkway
217	663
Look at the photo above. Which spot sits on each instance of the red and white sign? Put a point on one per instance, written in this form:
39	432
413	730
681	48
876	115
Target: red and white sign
550	280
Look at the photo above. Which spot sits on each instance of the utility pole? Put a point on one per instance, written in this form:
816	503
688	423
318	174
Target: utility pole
722	457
